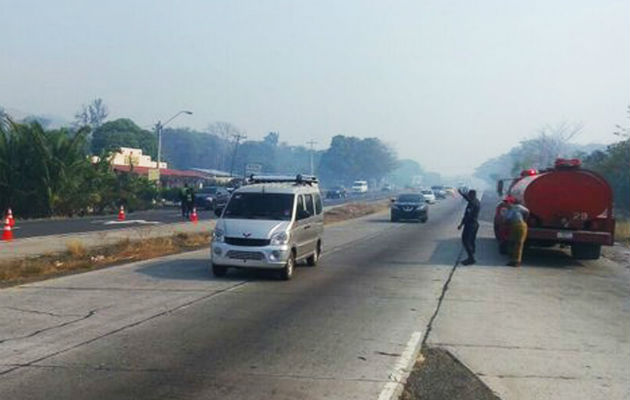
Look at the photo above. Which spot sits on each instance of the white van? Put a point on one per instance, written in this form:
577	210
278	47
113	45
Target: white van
359	187
272	223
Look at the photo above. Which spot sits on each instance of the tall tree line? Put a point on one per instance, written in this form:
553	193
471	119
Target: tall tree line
49	172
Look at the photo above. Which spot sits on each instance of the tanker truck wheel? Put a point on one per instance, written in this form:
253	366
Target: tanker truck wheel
586	251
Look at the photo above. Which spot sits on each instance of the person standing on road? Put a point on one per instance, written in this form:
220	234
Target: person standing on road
516	216
470	224
182	198
190	200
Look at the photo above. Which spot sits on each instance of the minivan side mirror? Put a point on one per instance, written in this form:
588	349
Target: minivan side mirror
218	211
500	188
393	199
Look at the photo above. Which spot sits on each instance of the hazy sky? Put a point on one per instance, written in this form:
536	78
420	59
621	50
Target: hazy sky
447	83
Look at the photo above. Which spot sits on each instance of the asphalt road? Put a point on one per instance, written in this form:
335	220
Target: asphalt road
346	329
167	329
169	215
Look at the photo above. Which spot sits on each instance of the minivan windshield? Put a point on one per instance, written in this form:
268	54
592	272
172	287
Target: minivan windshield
273	206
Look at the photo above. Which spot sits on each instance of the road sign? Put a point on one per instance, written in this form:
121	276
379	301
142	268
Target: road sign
154	174
253	168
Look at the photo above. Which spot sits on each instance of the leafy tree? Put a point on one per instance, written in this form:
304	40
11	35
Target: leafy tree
123	132
351	158
47	172
94	114
405	172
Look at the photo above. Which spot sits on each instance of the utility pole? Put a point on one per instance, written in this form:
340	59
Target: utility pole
237	137
311	144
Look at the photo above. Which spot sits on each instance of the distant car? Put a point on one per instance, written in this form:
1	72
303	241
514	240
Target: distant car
387	188
409	206
337	192
428	195
439	191
359	187
450	191
212	197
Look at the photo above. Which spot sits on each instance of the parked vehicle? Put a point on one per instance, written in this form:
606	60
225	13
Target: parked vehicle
337	192
387	188
359	187
450	191
211	197
428	195
272	223
409	206
568	205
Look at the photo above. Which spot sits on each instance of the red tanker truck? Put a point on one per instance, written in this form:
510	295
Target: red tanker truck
568	205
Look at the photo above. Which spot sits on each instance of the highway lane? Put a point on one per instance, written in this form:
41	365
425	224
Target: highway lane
168	215
166	329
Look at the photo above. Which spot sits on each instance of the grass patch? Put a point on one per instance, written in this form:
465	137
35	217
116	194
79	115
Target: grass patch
75	248
78	259
353	210
622	231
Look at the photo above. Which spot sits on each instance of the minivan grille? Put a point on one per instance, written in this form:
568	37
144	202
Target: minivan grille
245	255
246	241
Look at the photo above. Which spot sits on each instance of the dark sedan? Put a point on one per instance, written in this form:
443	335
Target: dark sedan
337	192
211	197
409	207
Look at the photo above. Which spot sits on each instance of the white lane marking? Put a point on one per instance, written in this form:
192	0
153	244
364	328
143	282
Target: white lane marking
402	369
131	221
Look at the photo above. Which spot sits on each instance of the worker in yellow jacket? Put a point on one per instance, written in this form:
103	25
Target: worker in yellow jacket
517	218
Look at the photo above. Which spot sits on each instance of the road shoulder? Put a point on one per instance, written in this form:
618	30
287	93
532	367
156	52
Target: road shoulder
554	329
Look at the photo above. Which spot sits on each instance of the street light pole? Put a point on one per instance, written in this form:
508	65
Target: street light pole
238	138
311	144
158	129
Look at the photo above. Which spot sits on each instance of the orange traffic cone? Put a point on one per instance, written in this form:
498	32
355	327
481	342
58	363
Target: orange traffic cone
193	216
121	213
10	216
7	233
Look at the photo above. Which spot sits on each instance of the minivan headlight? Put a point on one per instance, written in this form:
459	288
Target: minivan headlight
218	235
279	239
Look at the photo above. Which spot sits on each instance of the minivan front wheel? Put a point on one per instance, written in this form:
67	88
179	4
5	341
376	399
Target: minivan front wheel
314	258
287	271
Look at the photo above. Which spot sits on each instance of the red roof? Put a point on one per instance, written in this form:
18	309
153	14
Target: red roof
163	171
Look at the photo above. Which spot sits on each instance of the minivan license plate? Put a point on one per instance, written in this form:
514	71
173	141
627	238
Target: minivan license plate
565	235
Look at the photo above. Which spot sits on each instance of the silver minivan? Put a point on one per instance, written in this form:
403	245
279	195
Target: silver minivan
273	222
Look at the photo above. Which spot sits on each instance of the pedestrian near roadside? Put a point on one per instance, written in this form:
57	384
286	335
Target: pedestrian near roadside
470	224
183	202
516	216
190	200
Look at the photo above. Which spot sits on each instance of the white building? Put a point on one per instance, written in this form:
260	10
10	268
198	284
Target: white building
128	156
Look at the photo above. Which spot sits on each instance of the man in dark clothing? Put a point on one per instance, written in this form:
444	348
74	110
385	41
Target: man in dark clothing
190	200
470	224
183	198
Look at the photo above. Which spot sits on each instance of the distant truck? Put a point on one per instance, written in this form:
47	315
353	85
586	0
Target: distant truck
568	205
359	187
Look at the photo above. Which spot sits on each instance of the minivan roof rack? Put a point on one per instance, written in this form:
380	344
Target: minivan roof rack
298	179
